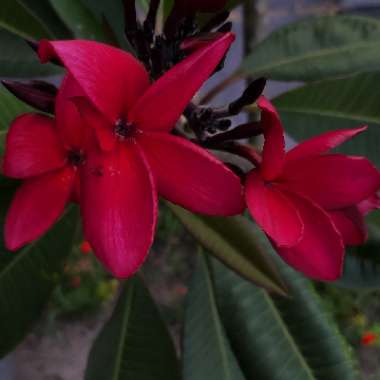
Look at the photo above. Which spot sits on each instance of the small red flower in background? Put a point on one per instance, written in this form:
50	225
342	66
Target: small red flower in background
368	339
134	156
46	153
85	248
308	201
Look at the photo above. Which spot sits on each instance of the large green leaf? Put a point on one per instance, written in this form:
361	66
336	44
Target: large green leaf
44	11
280	338
10	107
28	276
335	104
231	240
135	343
317	48
207	354
113	11
18	60
78	18
15	17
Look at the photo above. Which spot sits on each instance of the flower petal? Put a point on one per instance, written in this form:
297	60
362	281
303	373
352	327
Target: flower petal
334	181
69	123
190	176
32	147
36	206
163	103
322	143
119	207
95	121
273	211
370	204
111	78
351	225
274	144
320	252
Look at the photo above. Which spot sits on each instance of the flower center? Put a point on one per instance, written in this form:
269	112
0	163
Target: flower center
124	130
76	157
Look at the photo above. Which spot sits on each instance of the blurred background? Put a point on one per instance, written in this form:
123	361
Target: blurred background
58	347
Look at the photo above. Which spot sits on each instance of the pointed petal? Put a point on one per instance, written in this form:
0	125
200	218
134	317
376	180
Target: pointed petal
36	206
191	177
119	207
69	123
32	147
351	225
273	211
322	143
333	181
274	144
162	105
370	204
320	252
95	121
111	78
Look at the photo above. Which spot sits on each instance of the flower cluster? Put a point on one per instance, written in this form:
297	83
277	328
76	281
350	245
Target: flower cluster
114	145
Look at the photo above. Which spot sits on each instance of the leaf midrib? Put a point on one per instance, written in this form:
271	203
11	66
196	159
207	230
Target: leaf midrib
216	319
305	57
331	113
124	328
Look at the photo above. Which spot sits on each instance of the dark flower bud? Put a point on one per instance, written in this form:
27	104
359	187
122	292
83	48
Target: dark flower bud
38	94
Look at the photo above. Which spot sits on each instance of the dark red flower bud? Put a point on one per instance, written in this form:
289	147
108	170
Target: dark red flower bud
38	94
368	338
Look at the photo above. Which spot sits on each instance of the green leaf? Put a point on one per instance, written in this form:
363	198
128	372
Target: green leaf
78	18
292	333
231	241
10	107
336	104
317	48
16	18
135	343
18	60
28	276
362	264
43	10
207	353
113	11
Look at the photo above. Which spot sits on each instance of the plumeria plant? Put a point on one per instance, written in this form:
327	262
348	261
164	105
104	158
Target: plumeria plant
126	127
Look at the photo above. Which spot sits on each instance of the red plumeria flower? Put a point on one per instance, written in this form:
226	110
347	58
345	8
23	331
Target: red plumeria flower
306	200
46	153
138	157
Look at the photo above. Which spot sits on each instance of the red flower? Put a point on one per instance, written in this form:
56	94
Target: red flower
137	156
46	154
306	200
368	338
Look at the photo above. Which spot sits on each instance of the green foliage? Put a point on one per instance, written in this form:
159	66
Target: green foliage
28	277
317	48
135	343
113	12
79	19
18	60
10	107
18	19
271	337
231	241
43	10
336	104
207	352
